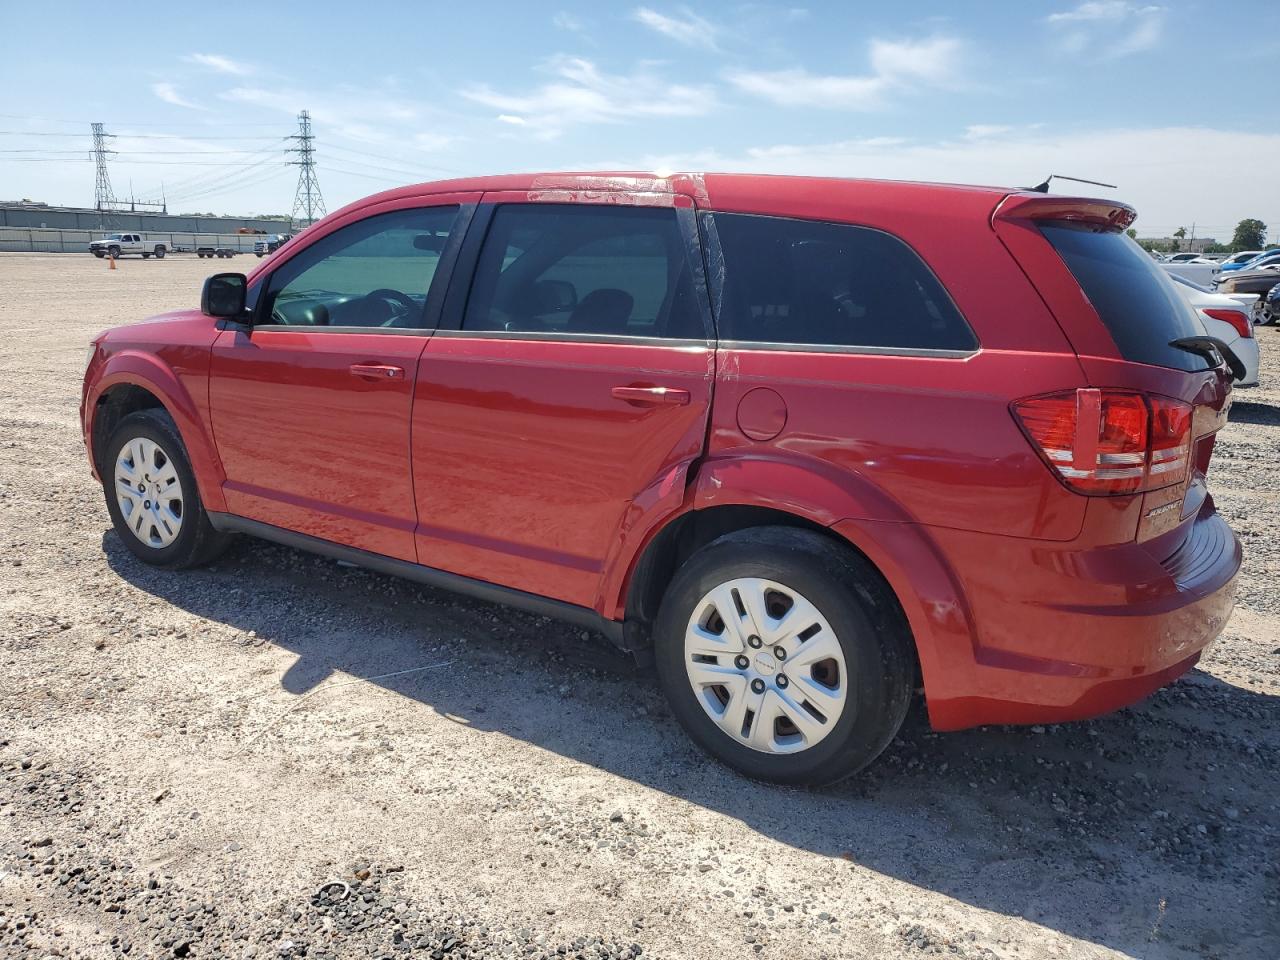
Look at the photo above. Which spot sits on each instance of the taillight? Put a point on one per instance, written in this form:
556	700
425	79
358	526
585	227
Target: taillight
1237	319
1110	442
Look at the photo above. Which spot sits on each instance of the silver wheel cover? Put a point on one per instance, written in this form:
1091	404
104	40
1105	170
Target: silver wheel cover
765	665
148	492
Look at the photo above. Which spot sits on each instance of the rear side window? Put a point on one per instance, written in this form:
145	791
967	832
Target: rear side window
1133	295
584	269
826	284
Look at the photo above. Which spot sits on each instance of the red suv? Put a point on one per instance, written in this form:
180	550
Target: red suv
812	443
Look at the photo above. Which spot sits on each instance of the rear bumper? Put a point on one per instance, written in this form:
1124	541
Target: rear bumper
1057	633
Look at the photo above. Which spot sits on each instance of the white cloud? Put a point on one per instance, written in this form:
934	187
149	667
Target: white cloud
686	28
581	93
1116	28
1101	10
169	94
220	63
367	115
895	67
799	87
979	131
567	21
1160	171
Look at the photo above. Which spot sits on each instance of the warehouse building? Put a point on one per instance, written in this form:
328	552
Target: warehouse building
24	213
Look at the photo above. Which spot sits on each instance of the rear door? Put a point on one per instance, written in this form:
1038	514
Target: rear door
570	380
310	407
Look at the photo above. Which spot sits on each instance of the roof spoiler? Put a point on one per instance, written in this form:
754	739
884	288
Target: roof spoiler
1105	214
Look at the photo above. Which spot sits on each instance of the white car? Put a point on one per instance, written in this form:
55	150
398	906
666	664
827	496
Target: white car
1187	258
1229	319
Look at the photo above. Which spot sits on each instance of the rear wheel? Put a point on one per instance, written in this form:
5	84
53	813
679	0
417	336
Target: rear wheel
784	655
151	494
159	253
1270	312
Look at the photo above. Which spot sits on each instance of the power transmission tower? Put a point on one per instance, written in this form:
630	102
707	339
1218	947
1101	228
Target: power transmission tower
103	199
307	200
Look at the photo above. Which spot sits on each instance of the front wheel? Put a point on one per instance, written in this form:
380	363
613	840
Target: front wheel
115	252
151	494
784	655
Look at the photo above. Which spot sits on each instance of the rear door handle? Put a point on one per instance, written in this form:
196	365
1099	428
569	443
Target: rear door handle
652	396
377	371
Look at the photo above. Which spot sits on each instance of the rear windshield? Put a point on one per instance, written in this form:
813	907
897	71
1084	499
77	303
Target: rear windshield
1131	293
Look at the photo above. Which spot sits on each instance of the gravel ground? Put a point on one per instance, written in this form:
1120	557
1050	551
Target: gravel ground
282	757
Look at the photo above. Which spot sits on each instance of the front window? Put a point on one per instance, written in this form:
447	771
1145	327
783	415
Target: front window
374	273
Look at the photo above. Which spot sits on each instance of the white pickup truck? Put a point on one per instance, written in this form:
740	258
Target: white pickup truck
116	245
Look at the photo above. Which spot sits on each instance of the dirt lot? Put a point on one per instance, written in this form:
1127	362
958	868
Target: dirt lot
186	759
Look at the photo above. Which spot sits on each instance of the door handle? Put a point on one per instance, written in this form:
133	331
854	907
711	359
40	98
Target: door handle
652	396
377	371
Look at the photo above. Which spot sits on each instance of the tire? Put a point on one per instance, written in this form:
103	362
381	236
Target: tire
115	252
99	254
1270	314
258	255
187	541
160	253
871	670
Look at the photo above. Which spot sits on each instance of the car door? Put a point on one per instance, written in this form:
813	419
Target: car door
571	378
310	405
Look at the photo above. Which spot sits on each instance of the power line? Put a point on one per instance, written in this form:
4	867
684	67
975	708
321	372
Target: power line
308	198
131	136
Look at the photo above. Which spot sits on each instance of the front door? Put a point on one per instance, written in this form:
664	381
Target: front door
310	408
576	378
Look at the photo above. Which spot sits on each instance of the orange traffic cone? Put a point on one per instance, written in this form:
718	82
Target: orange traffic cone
112	261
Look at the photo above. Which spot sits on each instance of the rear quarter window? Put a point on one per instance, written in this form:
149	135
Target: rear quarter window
1132	295
805	282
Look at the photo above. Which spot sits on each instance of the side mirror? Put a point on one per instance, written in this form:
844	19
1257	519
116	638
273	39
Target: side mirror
554	296
223	295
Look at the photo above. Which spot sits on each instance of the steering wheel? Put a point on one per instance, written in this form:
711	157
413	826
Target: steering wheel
387	295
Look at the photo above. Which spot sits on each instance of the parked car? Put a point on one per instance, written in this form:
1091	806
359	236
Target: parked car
1187	258
270	244
1228	319
1271	306
1197	271
1238	260
781	434
117	245
1261	280
1265	259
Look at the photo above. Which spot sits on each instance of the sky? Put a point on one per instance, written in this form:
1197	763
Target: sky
1174	102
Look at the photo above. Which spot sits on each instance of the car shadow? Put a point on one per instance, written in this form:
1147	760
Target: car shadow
1261	414
1134	831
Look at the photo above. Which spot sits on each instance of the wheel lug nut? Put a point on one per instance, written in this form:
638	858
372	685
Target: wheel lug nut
780	653
146	504
741	662
783	681
757	686
754	642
